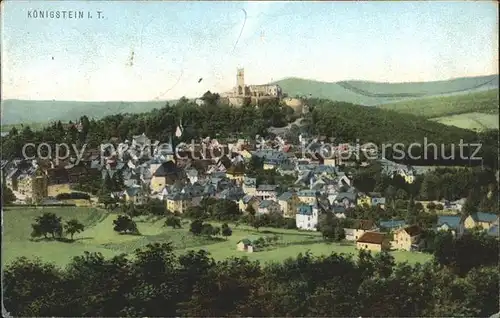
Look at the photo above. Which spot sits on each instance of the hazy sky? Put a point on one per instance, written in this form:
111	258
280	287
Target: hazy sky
159	50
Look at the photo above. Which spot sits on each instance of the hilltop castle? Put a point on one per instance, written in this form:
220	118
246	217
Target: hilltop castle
252	93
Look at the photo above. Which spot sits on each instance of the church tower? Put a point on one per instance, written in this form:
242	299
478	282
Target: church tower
240	81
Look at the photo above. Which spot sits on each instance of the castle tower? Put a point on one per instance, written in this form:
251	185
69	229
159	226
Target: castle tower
240	81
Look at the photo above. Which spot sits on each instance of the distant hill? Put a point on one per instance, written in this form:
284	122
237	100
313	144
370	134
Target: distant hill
33	111
373	93
431	107
356	92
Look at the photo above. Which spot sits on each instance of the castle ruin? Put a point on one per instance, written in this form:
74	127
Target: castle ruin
251	93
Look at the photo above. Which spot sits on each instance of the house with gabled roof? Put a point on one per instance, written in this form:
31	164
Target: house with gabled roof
289	202
267	191
407	238
249	200
453	223
307	196
236	172
358	229
165	174
135	195
347	199
373	241
247	245
268	207
481	219
307	217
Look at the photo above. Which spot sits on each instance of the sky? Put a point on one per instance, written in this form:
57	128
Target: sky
152	50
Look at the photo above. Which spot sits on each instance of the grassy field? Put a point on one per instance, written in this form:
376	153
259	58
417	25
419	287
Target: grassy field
473	121
482	102
99	237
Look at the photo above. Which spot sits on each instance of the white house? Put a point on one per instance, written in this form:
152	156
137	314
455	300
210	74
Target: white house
307	217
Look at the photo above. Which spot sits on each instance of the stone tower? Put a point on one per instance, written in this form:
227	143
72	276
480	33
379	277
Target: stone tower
240	81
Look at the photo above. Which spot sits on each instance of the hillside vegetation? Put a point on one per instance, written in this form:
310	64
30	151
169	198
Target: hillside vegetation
481	102
356	92
351	123
472	121
373	93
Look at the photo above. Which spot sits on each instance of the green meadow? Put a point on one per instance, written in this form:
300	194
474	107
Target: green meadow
99	236
472	121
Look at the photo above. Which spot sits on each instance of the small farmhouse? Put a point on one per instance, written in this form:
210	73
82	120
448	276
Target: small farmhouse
407	238
247	245
373	241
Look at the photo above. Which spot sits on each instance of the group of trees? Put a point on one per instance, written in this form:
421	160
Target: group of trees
214	209
49	224
159	282
477	185
198	227
331	227
471	250
125	225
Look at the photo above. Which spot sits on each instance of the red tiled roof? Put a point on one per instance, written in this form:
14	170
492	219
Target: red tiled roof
372	238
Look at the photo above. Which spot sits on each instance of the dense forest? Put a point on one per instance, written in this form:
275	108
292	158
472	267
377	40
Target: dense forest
354	123
158	283
346	122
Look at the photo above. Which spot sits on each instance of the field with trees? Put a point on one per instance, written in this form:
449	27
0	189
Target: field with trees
98	235
157	281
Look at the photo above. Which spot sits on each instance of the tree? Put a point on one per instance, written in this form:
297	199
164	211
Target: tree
207	229
431	206
196	212
156	207
173	222
471	204
216	231
226	230
107	185
331	228
73	226
257	222
196	227
125	225
107	200
250	210
47	223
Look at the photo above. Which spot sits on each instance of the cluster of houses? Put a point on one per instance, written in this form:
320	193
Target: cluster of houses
208	169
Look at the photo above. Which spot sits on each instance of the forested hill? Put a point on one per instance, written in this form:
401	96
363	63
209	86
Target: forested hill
374	93
357	92
351	123
346	122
